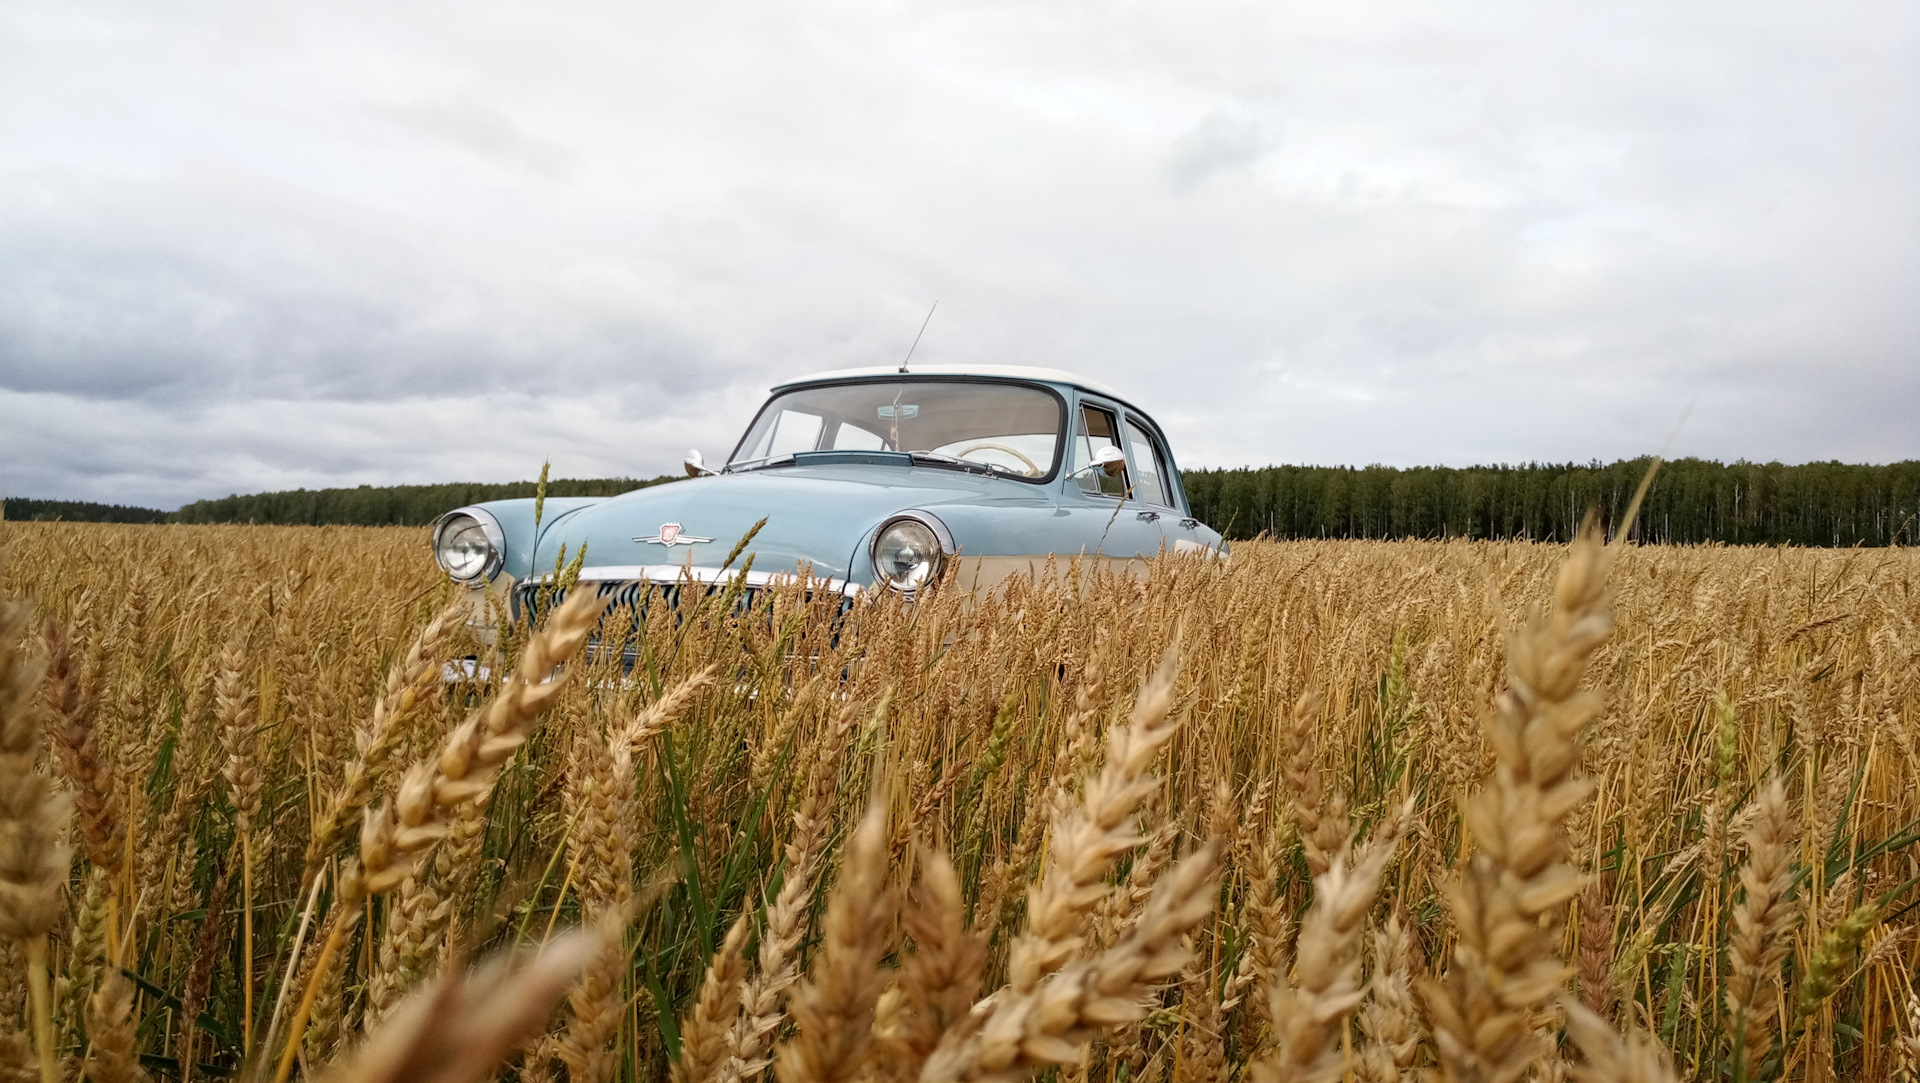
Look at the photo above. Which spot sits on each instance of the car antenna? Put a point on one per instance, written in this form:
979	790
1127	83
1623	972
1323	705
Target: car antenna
916	338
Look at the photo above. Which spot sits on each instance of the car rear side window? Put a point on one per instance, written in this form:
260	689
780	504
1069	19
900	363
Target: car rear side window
1095	430
1150	482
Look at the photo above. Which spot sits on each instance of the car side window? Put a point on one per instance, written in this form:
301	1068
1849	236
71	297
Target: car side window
1150	482
1094	430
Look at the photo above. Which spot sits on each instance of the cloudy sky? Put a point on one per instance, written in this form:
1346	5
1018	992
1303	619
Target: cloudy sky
251	246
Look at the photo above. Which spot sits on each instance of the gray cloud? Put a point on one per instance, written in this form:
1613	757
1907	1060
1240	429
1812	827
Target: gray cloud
1231	137
246	248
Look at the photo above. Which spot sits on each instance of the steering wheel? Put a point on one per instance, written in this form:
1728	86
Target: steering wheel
1033	469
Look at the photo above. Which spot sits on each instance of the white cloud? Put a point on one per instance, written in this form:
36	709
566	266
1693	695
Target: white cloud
246	247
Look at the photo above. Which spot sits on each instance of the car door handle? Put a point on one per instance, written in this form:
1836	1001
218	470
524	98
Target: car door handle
1146	516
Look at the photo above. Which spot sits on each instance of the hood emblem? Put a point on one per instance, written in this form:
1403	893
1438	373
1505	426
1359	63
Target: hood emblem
670	535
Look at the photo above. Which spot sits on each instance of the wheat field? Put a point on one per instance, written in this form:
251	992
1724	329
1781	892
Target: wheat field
1339	810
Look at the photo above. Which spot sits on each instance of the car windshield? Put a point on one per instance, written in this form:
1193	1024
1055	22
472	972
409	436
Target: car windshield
1008	428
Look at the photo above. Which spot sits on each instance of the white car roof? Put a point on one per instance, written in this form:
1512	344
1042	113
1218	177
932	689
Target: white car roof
1019	372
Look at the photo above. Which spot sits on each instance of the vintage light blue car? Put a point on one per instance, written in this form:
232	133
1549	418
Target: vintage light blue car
876	478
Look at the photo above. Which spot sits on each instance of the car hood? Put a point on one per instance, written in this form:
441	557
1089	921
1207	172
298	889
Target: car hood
816	515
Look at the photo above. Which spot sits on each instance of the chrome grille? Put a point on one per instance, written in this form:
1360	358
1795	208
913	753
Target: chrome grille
532	600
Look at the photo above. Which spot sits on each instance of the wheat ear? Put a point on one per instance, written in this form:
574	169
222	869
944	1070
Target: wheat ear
33	860
777	960
1510	898
1609	1058
703	1034
599	850
1320	821
1390	1020
1761	922
206	953
1310	1015
1086	842
409	681
76	737
1016	1033
1906	1043
242	771
110	1031
833	1009
1596	951
460	1028
940	980
395	836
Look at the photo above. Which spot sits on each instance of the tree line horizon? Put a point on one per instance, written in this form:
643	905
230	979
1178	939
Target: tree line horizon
1692	501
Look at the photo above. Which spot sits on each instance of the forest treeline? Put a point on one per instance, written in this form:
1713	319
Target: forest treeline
1692	501
387	505
20	508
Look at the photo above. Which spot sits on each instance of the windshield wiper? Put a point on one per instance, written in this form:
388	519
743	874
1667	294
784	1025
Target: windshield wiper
761	463
940	459
969	465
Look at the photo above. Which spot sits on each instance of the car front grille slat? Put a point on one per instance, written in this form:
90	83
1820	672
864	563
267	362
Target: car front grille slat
533	600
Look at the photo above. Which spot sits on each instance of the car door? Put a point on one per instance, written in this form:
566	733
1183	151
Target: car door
1153	494
1108	514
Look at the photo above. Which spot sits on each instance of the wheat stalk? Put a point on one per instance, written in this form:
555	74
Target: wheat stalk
33	860
833	1009
1390	1020
1609	1058
940	979
1508	900
396	835
1021	1031
242	772
703	1034
1761	923
1310	1014
777	962
1087	841
461	1028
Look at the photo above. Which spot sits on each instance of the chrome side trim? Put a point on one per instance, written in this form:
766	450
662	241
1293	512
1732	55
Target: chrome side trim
496	538
683	573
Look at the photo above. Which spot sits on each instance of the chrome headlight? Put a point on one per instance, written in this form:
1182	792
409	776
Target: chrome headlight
468	544
908	551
